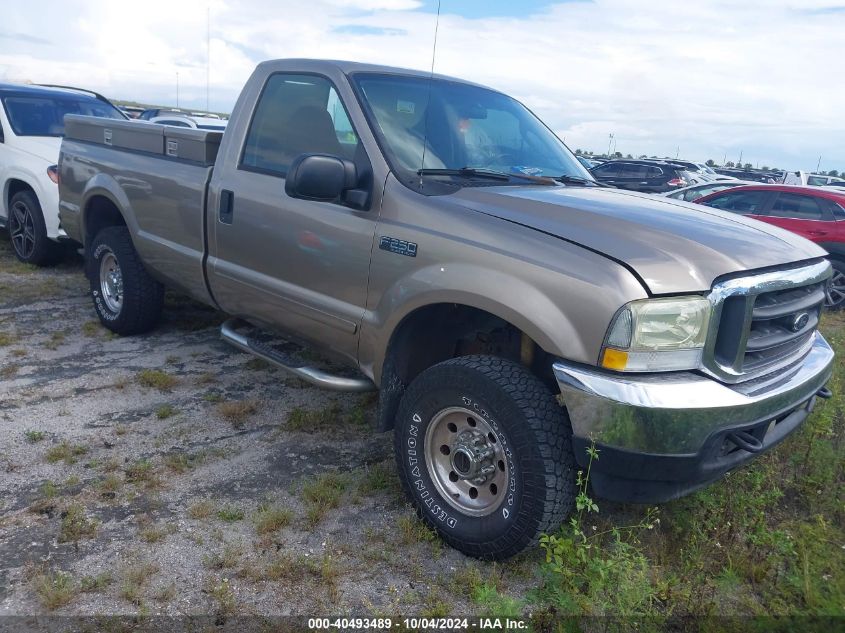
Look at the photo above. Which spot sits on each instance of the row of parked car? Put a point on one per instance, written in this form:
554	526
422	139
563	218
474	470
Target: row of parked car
812	206
31	131
32	125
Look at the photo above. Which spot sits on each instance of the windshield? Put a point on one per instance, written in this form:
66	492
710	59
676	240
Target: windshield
45	116
466	126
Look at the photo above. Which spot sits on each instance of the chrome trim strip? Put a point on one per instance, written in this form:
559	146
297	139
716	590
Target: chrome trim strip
751	286
674	413
229	333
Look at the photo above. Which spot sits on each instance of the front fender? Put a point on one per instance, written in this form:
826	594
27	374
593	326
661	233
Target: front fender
554	319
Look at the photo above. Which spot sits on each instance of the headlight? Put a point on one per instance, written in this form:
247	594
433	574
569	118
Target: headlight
657	335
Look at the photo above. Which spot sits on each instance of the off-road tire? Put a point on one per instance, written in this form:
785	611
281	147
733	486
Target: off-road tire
142	296
39	249
527	421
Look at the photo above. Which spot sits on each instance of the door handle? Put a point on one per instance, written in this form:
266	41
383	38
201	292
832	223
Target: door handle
227	206
816	232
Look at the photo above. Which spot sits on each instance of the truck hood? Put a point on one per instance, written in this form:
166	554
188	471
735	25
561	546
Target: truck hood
44	147
672	246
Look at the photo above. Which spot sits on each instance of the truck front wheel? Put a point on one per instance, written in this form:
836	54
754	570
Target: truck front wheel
127	299
484	452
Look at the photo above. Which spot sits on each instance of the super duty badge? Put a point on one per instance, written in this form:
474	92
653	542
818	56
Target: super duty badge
400	247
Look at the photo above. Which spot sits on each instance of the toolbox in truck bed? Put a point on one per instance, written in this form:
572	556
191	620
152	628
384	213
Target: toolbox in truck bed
198	146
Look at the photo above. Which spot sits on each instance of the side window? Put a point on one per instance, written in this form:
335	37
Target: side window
634	171
654	172
606	171
790	205
297	114
742	202
816	181
837	209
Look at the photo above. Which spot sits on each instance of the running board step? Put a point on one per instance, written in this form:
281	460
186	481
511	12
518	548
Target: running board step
284	356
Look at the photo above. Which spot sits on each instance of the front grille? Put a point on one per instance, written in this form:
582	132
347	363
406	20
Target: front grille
765	322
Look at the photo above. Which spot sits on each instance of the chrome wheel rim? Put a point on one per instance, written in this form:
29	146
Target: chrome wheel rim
111	282
22	230
835	293
466	461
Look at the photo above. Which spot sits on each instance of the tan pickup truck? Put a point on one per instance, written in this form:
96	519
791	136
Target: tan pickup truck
439	239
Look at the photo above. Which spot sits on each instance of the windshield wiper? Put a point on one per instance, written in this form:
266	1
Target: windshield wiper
576	180
482	172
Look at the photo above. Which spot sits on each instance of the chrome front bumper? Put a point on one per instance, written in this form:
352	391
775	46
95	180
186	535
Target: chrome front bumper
675	414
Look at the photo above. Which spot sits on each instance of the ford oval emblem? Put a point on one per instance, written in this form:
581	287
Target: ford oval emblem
800	321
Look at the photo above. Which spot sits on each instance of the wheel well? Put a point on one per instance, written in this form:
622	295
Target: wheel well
100	212
15	186
439	332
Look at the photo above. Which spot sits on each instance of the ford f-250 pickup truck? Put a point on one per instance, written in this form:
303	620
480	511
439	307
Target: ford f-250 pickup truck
436	236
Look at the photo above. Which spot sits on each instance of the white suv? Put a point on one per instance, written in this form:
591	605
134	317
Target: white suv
31	130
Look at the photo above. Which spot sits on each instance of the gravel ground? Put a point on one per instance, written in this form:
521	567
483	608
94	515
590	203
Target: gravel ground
171	474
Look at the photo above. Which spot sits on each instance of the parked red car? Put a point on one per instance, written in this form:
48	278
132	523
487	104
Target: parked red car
815	213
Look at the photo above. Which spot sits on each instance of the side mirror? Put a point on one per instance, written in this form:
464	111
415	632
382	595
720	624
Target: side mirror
325	178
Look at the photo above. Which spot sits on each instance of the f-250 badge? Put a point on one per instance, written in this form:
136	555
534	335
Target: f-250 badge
400	247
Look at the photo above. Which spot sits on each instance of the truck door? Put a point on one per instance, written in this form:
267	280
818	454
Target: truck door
296	265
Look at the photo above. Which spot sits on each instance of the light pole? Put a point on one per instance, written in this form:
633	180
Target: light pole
609	143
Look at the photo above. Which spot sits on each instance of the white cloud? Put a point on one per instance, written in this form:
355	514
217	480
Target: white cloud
713	77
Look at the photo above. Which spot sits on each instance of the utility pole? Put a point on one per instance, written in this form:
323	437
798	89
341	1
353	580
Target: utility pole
740	159
609	142
724	158
818	164
177	89
207	56
678	151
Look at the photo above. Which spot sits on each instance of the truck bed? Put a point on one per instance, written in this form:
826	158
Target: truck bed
156	174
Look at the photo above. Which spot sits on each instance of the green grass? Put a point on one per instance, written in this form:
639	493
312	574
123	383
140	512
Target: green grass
769	539
328	418
238	411
156	379
91	328
65	452
54	589
7	338
322	494
230	514
165	411
271	519
34	436
96	584
134	580
75	525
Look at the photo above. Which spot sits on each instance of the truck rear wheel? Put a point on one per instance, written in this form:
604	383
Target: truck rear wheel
127	299
28	231
484	452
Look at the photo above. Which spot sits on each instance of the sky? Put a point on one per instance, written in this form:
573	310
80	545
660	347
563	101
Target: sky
698	79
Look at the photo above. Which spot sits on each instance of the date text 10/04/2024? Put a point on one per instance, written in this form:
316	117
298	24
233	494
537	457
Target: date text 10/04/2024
450	624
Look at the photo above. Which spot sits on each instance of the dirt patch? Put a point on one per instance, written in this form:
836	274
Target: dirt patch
171	474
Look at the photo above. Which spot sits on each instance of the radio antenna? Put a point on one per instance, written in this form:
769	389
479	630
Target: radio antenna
428	95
